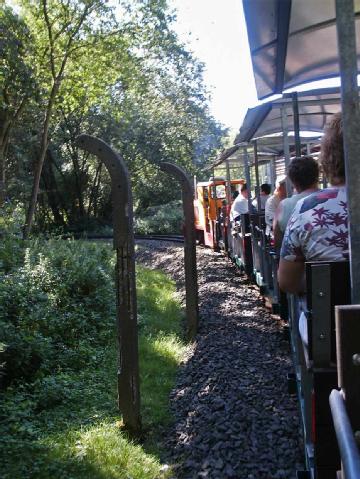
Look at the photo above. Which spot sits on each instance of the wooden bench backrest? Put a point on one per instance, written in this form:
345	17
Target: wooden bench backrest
327	285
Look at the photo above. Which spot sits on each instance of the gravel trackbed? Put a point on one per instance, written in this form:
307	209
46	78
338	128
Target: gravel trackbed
233	416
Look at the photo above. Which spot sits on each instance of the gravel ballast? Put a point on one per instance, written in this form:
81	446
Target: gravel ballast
233	416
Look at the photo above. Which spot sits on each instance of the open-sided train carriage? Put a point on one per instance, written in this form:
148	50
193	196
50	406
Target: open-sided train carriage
292	43
280	32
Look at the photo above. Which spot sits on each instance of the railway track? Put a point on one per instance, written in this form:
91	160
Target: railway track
172	238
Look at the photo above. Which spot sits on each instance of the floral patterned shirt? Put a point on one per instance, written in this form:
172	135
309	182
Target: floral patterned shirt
318	228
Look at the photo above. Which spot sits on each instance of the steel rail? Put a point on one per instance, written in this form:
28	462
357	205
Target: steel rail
349	452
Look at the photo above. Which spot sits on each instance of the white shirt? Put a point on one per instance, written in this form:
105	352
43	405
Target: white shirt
263	200
239	207
270	209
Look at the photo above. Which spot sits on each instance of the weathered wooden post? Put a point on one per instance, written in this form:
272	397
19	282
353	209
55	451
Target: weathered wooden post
191	287
128	373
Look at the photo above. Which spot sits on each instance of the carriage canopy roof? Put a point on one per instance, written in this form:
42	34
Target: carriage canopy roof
292	42
315	108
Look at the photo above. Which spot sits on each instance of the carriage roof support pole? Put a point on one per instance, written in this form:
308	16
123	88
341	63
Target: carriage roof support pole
191	286
228	182
247	175
345	23
272	172
257	187
295	105
128	373
285	129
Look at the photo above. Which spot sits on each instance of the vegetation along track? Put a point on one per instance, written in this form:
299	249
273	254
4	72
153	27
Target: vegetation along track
233	416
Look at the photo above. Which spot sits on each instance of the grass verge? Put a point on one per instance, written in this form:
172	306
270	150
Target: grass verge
64	422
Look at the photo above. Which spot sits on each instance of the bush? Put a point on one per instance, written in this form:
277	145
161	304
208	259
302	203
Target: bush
59	418
55	302
11	250
163	219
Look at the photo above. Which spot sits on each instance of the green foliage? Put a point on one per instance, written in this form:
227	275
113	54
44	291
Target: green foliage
58	415
128	80
16	71
11	245
52	303
161	219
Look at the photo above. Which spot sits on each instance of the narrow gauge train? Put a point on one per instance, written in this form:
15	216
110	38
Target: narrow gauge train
211	198
282	35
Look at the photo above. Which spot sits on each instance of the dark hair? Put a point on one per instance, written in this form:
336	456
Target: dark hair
243	187
265	188
332	150
303	172
235	194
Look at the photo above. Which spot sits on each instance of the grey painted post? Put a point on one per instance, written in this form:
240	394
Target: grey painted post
295	105
228	182
257	187
247	175
128	373
345	24
272	173
285	129
192	308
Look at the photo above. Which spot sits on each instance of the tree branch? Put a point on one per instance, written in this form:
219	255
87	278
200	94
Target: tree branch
49	29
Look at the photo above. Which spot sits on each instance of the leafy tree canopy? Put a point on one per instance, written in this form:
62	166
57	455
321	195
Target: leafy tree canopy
118	73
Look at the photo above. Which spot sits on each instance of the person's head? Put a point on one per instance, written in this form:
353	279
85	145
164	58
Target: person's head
303	172
235	194
244	190
265	189
332	151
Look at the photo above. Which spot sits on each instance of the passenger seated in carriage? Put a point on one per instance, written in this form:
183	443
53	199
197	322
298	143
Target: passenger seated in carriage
318	227
265	190
240	205
273	202
221	219
303	173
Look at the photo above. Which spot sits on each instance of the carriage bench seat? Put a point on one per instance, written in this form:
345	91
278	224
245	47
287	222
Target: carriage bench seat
327	285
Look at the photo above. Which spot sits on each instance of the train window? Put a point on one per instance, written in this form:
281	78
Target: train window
220	192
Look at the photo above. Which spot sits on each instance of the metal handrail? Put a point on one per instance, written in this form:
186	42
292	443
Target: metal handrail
349	452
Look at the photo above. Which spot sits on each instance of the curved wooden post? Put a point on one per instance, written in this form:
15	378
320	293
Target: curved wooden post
128	373
191	287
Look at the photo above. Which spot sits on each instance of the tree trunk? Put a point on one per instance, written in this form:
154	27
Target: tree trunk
2	174
4	138
50	185
39	165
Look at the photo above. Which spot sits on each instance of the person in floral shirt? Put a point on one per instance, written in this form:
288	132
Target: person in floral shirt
318	227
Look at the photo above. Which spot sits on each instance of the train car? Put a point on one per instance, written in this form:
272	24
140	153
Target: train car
211	199
321	367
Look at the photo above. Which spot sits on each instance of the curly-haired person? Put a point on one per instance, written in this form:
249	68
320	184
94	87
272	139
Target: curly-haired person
318	227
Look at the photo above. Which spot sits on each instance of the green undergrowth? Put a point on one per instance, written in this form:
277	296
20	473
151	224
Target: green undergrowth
161	219
58	407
